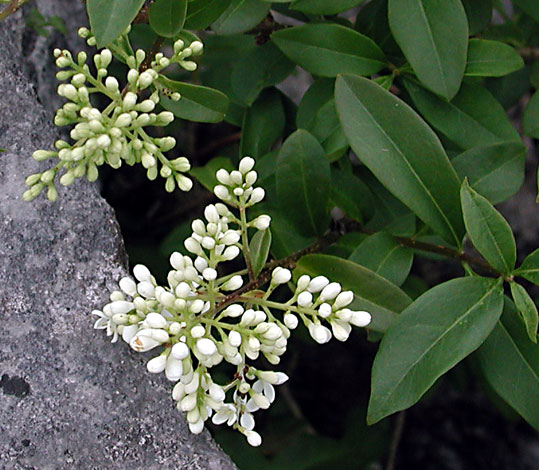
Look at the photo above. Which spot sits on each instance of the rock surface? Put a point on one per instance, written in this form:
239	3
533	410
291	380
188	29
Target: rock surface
69	399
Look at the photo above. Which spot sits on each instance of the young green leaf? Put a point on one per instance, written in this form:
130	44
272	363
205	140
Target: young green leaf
402	151
510	363
202	13
472	118
259	248
330	49
323	7
383	255
488	230
530	117
197	103
491	59
373	293
303	182
494	171
110	18
167	17
437	331
241	16
263	124
529	269
527	308
421	28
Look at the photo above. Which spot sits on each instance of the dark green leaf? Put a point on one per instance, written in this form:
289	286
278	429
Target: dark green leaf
205	175
371	21
437	331
510	363
241	16
303	181
318	94
382	299
259	248
263	124
202	13
422	28
383	255
351	195
167	17
379	127
479	13
488	230
530	118
330	49
509	89
323	7
530	7
494	171
529	269
472	118
110	18
491	59
263	67
198	103
527	308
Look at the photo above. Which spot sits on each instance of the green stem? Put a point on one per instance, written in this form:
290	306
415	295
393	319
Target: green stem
245	243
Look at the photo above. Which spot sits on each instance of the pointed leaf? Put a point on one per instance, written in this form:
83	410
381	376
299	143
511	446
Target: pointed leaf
530	7
530	117
382	299
167	17
329	49
303	182
527	308
488	230
323	7
510	363
259	248
529	269
437	331
491	59
422	28
202	13
402	152
241	16
479	14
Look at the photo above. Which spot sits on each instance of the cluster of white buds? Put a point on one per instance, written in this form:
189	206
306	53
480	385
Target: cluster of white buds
117	133
202	318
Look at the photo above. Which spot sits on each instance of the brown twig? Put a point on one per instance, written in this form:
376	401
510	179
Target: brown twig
263	30
11	8
219	144
529	54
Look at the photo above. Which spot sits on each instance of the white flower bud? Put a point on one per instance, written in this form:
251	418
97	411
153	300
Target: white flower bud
106	58
330	291
178	46
145	79
174	328
176	261
173	369
183	290
179	351
234	283
257	195
123	120
112	84
78	79
146	106
167	299
193	246
223	176
360	318
178	392
235	338
142	273
343	299
196	47
143	343
231	252
341	330
198	331
197	306
305	299
188	65
121	306
234	310
280	275
217	392
196	427
146	289
238	192
211	214
262	222
206	346
62	62
324	310
132	76
253	438
157	364
230	237
250	178
129	101
188	402
221	192
319	333
155	320
290	320
248	317
184	183
164	118
317	284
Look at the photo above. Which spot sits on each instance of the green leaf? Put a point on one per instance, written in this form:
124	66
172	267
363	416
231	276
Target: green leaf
479	13
529	269
494	171
205	175
530	118
323	7
263	124
241	16
383	255
509	89
110	18
402	151
488	230
372	21
472	118
491	59
198	103
510	363
318	94
530	7
259	248
167	17
527	308
422	28
329	49
437	331
382	299
202	13
303	182
351	195
263	67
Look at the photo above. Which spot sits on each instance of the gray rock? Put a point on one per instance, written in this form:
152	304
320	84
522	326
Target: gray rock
69	399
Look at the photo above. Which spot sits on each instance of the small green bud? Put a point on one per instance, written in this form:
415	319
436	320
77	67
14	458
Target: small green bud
165	171
170	184
152	173
140	55
131	62
184	183
92	173
78	79
164	118
41	155
106	58
62	62
64	74
146	106
189	65
28	196
32	179
52	194
81	57
48	176
197	47
61	144
36	189
91	41
67	178
79	171
178	46
83	32
175	96
166	143
181	164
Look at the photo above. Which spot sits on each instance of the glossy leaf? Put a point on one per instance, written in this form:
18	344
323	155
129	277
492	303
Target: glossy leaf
491	59
324	7
329	49
422	28
110	18
205	175
530	118
432	335
167	17
371	20
383	255
202	13
197	103
372	292
510	363
479	13
529	269
488	230
263	124
527	308
509	89
494	171
241	16
303	181
259	247
472	118
416	170
318	94
351	195
531	7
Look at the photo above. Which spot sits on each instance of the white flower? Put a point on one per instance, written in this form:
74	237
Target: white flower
343	299
290	320
246	165
253	438
330	292
319	333
305	299
280	275
262	222
141	272
179	351
226	413
206	346
157	364
360	318
317	284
